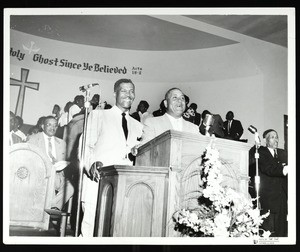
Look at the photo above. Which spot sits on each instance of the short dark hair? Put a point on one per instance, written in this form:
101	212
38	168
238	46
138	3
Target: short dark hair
145	103
194	106
78	97
19	120
204	113
120	81
49	117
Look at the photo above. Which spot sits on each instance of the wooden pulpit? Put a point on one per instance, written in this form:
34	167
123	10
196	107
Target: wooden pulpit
132	201
140	200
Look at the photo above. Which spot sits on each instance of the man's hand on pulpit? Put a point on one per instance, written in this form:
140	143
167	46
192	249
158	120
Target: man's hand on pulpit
134	150
95	171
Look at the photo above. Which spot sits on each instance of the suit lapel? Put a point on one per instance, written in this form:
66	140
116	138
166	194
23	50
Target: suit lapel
167	121
42	142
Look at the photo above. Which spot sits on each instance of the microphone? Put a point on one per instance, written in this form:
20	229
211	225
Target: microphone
84	88
253	130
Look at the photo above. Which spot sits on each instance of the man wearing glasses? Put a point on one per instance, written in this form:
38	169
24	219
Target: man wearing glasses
55	149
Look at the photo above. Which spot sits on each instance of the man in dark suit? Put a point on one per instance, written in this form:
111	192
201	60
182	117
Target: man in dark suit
233	129
215	127
161	110
141	112
55	149
273	184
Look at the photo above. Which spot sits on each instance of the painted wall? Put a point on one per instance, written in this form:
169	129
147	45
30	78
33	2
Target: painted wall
249	78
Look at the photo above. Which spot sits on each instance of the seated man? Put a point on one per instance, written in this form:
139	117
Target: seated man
13	137
172	119
17	130
55	149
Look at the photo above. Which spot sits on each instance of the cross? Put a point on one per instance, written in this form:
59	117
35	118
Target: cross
23	85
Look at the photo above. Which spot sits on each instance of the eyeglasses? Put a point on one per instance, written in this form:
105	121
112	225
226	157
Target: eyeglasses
51	125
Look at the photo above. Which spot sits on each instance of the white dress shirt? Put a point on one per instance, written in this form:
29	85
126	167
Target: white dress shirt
176	122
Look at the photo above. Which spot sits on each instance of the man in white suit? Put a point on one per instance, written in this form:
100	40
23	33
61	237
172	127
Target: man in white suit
172	119
107	143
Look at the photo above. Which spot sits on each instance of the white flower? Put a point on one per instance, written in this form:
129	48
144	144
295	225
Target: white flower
234	214
266	234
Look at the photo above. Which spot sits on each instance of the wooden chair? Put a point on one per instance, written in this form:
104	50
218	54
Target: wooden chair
71	135
62	217
31	186
31	189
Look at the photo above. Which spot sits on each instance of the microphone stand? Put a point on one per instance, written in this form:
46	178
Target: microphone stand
257	178
82	155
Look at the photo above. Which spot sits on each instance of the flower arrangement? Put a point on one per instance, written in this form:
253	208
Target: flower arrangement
222	211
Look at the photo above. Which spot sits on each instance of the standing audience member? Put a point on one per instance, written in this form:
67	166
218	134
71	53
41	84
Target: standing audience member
161	110
18	125
95	101
64	118
111	134
172	119
273	170
192	115
233	129
13	138
56	112
141	112
77	107
216	128
107	106
55	149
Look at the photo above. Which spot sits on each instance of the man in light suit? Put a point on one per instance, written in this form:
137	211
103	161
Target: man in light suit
107	143
64	190
175	106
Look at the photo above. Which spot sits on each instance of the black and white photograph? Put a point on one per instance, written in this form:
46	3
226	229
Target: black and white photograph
162	126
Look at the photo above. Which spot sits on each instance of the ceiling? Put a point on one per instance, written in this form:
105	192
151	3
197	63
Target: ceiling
143	32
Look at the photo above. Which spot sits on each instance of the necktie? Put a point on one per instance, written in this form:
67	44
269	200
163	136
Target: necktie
275	153
124	125
50	150
228	130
